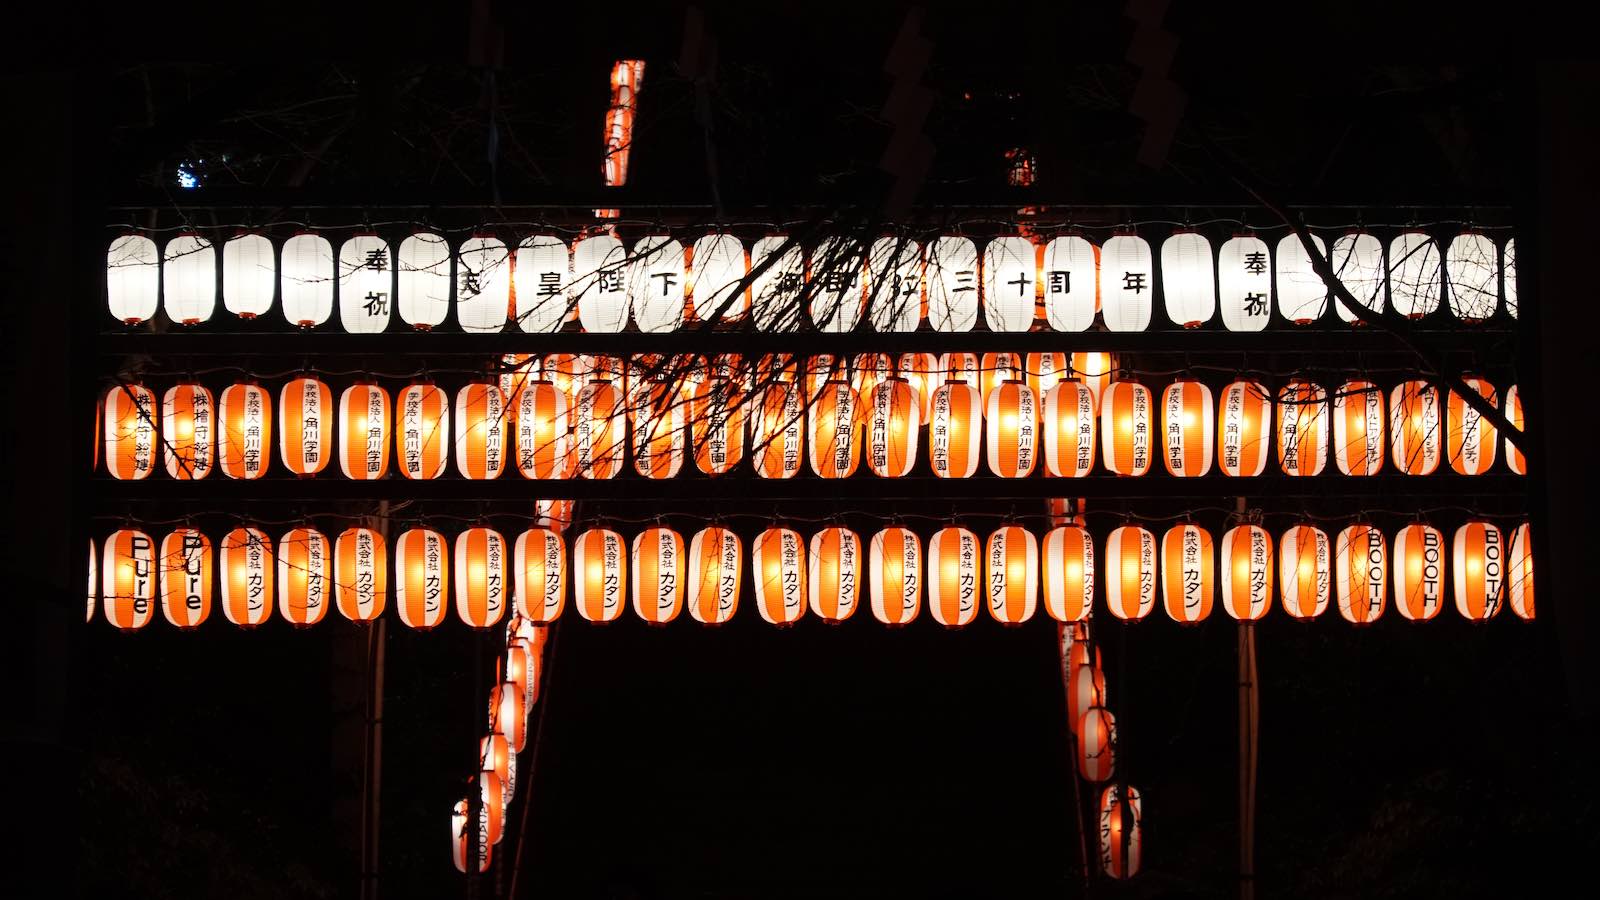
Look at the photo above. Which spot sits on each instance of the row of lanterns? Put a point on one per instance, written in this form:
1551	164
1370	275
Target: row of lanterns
1094	736
954	573
968	410
890	285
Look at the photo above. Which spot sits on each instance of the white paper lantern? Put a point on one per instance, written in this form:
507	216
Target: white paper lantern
133	278
483	284
1010	274
776	291
1244	278
1126	283
1357	261
541	275
1414	274
189	279
1473	266
655	283
1302	297
952	278
307	280
836	297
1511	276
423	265
1188	279
717	269
894	267
366	284
1071	283
249	275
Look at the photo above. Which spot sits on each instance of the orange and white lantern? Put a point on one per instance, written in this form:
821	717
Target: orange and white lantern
715	569
188	429
1094	369
1188	573
186	578
1513	409
1247	572
1125	424
1419	570
94	582
1011	575
657	572
129	573
1358	428
364	432
1086	683
1243	442
1305	571
1121	832
130	432
1302	428
305	425
247	576
459	837
922	371
243	448
422	578
717	424
1044	371
778	562
1097	745
1069	429
1068	573
1416	427
894	419
1011	422
480	570
997	369
599	574
833	431
954	569
955	430
600	426
1471	442
1519	572
777	431
1478	567
543	427
1186	421
303	564
495	755
659	433
1130	572
958	366
833	576
361	574
867	370
508	715
422	435
1361	573
539	562
480	435
894	575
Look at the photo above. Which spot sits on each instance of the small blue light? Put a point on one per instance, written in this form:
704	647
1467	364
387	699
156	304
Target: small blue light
187	179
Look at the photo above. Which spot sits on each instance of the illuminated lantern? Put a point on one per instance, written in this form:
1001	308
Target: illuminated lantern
716	275
961	367
249	275
1126	285
1130	572
1188	573
1097	744
188	431
1069	430
1419	561
306	280
778	562
1044	371
1510	275
422	277
833	431
1010	277
775	440
717	424
1513	412
658	428
553	514
656	275
1415	424
303	577
247	574
954	568
246	414
422	436
598	265
1188	279
894	575
1414	274
1358	428
867	371
1357	261
1121	825
599	574
540	564
1519	573
1472	442
657	572
627	77
1186	422
894	418
543	429
480	576
715	563
1125	424
523	666
480	431
94	581
833	574
1247	572
186	578
821	369
422	578
133	278
541	274
459	837
1244	277
495	755
1472	267
366	284
1012	424
361	574
778	267
189	279
894	268
1305	571
1086	684
364	432
1072	283
483	284
1095	370
1011	575
1302	297
1302	428
492	794
922	371
130	432
836	301
1360	565
1478	564
599	430
1068	573
951	272
508	716
954	430
997	369
305	425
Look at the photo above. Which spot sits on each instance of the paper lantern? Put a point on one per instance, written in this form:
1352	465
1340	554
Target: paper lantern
133	278
364	432
189	279
188	431
480	435
1242	440
1305	571
778	274
247	573
1130	572
954	568
714	571
366	284
1302	428
361	574
306	280
523	665
1471	442
1071	283
833	575
422	278
1068	573
1086	685
835	272
543	427
495	755
130	432
1186	421
821	368
1121	827
1478	567
422	578
1244	279
1126	283
1419	561
656	277
966	367
867	371
1472	284
1044	371
186	578
833	427
249	275
997	369
94	582
1010	279
659	429
778	563
246	431
1415	277
1302	295
599	574
1125	423
1358	428
480	577
627	77
539	562
1188	279
717	424
894	272
921	370
303	563
1012	426
1095	370
1416	440
954	430
459	838
422	436
658	572
717	271
483	284
1246	572
1515	460
894	575
1188	573
776	440
1519	572
1510	276
1097	745
951	272
508	716
305	425
1357	261
553	514
894	419
1069	430
599	430
1361	573
1011	575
